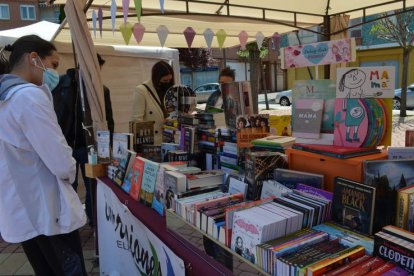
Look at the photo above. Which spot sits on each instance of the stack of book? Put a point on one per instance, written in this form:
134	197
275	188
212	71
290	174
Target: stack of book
336	151
273	143
171	131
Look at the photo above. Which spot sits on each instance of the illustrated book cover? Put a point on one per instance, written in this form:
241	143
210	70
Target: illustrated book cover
307	118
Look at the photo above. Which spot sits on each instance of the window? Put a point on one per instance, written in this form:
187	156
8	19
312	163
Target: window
4	12
27	12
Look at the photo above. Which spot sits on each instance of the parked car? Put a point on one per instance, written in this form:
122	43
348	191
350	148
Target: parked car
410	98
204	91
284	98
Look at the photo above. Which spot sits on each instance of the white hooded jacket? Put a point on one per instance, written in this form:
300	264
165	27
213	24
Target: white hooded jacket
36	166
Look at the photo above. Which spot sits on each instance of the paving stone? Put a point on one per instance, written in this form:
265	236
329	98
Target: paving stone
12	264
26	269
4	256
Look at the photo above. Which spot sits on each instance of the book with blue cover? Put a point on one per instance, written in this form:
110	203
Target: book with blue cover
149	179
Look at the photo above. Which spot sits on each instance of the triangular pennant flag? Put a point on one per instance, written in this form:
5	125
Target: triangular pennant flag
113	15
94	22
126	31
276	40
162	6
100	20
208	36
125	9
138	30
243	36
138	9
189	35
221	37
259	39
162	32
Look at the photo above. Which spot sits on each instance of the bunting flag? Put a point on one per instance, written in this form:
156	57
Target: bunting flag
138	30
221	37
113	15
94	22
100	20
208	36
243	36
138	9
259	39
162	32
189	35
276	37
126	31
162	6
125	9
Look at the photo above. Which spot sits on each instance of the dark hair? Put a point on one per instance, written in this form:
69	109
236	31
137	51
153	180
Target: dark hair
24	45
100	60
159	70
342	81
242	119
227	72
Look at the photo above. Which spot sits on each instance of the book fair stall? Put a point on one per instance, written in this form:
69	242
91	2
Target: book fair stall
317	192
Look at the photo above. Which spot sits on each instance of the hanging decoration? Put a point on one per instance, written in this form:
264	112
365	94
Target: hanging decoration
94	22
113	15
259	39
208	36
189	35
162	32
125	9
276	37
221	37
243	36
138	30
100	20
138	9
162	6
126	31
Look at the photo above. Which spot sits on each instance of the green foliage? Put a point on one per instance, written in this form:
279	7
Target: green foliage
246	53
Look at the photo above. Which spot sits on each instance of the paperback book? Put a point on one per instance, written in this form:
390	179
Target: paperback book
307	119
149	178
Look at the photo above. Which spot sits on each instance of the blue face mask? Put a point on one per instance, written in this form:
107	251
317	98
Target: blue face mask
50	77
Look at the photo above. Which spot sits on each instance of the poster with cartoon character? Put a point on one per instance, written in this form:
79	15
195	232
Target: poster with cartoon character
320	53
365	82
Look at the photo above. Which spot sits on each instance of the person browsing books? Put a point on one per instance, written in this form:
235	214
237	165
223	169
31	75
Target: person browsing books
148	98
216	100
38	206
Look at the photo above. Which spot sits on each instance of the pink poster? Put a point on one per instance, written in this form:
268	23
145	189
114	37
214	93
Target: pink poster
320	53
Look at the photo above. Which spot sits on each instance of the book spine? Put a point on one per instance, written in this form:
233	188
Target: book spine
402	210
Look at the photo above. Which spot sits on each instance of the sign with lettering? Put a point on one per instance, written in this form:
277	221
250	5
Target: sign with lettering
126	245
365	82
326	52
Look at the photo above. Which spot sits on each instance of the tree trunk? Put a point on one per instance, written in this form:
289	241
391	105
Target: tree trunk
254	60
406	57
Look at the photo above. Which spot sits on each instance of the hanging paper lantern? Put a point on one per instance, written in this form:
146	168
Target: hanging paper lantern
189	35
138	30
125	9
276	37
100	20
138	9
113	15
259	39
208	36
221	37
94	22
126	31
162	6
243	36
162	32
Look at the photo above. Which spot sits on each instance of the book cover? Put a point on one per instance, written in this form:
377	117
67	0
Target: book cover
317	89
122	142
345	267
307	119
274	141
280	125
149	178
400	153
136	178
404	196
381	270
174	182
274	188
166	148
336	151
231	102
291	178
150	152
364	267
236	186
158	200
353	205
143	133
124	166
205	178
387	176
103	148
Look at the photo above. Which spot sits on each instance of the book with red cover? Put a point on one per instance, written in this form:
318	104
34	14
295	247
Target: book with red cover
365	267
335	151
136	179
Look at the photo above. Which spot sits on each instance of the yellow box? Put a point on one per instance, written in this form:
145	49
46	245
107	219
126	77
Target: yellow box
93	171
330	167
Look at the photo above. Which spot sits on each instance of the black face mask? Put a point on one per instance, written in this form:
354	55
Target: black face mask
164	86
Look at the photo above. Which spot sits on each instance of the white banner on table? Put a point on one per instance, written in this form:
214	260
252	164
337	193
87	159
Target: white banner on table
126	245
365	82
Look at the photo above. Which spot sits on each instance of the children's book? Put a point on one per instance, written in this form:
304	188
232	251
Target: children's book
149	178
103	147
400	153
136	177
307	119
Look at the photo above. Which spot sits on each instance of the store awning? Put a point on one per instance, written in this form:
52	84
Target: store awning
265	16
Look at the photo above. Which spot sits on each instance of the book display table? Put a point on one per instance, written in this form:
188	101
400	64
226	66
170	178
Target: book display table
330	167
134	236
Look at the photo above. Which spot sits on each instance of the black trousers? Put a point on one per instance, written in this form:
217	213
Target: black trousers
59	255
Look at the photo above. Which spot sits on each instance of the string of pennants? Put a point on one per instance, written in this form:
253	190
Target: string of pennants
138	30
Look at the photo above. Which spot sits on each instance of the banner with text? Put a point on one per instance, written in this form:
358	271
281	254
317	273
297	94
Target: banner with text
126	245
320	53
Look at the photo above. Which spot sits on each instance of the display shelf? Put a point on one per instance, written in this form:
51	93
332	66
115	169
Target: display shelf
176	224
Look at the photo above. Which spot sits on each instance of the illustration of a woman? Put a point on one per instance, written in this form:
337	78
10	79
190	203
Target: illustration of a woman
352	82
355	114
239	246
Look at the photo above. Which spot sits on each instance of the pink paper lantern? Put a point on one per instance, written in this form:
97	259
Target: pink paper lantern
138	30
